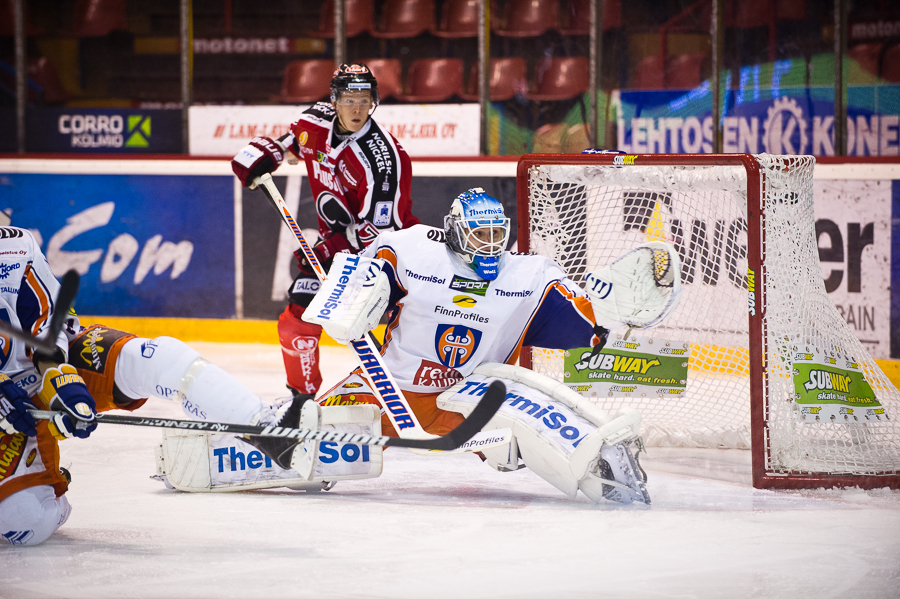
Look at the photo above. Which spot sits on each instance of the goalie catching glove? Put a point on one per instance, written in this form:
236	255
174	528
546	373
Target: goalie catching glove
64	391
352	299
639	289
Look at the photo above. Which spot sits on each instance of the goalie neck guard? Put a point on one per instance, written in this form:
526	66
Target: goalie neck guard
477	230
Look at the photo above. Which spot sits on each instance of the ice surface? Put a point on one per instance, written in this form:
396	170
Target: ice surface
444	526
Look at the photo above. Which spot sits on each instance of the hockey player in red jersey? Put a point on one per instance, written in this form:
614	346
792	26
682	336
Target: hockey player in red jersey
360	177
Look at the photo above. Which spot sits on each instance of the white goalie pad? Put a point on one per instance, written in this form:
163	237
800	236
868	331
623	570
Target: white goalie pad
204	462
558	433
352	299
639	289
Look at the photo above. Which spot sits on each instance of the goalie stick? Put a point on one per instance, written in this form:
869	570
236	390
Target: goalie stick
46	345
483	412
367	352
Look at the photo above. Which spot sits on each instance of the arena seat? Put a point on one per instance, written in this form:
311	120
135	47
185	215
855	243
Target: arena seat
527	18
507	77
389	74
305	81
891	69
459	18
868	56
8	19
685	71
96	18
648	73
575	19
405	19
560	78
433	80
359	16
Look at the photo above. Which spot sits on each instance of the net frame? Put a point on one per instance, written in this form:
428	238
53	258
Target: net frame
761	446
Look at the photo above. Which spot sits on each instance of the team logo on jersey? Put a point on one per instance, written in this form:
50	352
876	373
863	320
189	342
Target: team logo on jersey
464	301
5	269
303	138
383	213
5	341
11	447
469	286
455	344
90	350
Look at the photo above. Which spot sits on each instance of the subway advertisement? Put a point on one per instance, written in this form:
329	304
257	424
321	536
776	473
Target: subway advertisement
161	238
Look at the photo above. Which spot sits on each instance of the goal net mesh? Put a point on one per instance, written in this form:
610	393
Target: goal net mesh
584	216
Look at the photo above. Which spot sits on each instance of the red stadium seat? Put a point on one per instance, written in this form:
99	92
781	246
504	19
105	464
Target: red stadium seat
405	19
648	73
96	18
359	16
433	80
389	74
527	18
891	69
560	78
868	56
8	19
508	77
576	18
685	71
305	81
459	18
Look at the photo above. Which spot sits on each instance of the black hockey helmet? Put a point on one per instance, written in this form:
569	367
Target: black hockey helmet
349	77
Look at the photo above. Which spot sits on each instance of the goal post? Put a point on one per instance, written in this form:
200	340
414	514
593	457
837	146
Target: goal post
770	365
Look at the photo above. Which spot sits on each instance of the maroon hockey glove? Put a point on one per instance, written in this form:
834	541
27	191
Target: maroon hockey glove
324	251
262	155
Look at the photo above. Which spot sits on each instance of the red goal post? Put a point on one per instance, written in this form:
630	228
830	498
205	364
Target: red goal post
754	312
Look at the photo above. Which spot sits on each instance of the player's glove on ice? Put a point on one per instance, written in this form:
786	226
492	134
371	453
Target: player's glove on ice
262	155
14	404
64	391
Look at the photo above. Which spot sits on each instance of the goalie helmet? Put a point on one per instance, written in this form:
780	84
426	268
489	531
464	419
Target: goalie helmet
477	231
353	77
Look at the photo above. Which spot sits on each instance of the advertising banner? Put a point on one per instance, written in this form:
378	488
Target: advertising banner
422	129
103	130
776	120
633	368
832	388
144	245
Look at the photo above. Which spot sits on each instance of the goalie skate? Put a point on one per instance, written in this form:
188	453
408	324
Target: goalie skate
622	478
285	415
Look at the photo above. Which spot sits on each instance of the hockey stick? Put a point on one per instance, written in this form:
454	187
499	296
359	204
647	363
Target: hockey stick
386	390
483	412
47	344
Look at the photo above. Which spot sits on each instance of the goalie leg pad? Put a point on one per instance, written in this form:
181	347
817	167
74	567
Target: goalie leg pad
166	367
203	462
560	436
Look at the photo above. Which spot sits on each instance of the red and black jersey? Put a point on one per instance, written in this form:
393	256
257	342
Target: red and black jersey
363	177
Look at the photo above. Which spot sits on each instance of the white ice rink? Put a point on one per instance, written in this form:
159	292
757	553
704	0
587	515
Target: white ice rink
440	527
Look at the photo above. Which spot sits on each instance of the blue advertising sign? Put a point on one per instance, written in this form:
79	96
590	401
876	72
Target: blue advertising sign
774	119
144	245
103	130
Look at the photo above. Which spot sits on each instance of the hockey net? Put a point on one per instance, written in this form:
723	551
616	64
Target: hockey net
745	230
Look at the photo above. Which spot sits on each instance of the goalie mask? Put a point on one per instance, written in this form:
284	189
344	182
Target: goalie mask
477	231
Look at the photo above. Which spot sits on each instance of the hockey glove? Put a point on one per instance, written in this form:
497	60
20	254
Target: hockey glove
64	391
262	155
325	251
14	404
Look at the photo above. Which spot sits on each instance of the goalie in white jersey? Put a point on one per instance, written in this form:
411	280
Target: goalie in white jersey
456	300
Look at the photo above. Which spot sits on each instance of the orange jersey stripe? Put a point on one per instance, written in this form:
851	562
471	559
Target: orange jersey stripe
42	296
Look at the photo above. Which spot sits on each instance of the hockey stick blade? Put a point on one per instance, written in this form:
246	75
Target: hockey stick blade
47	344
483	412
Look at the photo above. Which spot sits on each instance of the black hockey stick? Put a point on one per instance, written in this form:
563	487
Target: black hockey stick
483	412
47	345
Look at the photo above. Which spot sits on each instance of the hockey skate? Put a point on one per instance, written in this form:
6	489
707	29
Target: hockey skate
618	470
286	415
